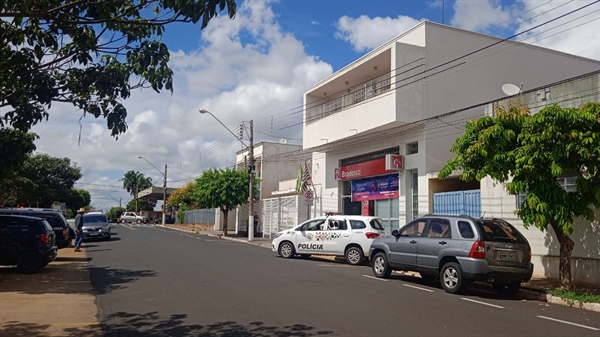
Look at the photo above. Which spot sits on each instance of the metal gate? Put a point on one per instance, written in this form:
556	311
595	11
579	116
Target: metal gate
279	214
458	202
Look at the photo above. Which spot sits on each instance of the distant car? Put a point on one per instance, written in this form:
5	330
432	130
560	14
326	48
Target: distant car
168	220
56	220
95	226
349	236
27	242
457	249
133	217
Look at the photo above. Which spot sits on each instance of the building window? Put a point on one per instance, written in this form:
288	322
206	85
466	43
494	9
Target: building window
569	184
370	156
520	199
414	193
412	148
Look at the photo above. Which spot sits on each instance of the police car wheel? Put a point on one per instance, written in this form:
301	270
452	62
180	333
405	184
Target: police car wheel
381	268
354	256
286	250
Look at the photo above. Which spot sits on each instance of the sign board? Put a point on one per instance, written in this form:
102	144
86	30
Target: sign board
308	198
394	162
376	188
361	170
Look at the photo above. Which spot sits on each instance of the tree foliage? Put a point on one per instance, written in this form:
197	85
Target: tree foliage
15	146
529	153
114	213
223	189
182	196
90	54
142	205
134	182
76	199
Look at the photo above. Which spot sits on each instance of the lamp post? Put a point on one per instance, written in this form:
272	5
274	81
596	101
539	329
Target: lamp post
250	171
164	189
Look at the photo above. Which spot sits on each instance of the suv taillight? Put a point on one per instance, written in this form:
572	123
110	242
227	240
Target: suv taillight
371	235
44	238
478	250
65	233
529	254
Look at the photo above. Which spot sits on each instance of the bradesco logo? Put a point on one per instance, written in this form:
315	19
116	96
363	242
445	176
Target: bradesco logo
364	169
310	246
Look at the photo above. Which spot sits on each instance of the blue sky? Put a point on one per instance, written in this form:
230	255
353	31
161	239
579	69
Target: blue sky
258	66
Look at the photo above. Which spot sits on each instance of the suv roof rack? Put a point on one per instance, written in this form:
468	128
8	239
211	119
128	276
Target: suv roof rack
450	214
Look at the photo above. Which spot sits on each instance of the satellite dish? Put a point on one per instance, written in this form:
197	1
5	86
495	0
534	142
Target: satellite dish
511	89
282	141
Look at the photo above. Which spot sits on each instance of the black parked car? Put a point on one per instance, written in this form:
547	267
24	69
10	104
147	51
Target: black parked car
27	242
168	220
56	220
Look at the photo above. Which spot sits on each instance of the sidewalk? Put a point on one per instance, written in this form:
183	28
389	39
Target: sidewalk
56	301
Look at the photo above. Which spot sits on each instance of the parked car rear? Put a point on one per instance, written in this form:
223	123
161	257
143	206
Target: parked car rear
458	250
56	220
27	242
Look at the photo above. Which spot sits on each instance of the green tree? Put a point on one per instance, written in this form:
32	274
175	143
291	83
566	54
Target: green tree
15	146
529	153
40	181
142	205
133	182
223	189
90	54
182	196
76	199
114	213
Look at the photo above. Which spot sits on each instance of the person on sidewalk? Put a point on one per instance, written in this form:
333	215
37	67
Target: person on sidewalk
79	230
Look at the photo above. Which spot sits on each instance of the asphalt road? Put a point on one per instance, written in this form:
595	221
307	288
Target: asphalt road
152	281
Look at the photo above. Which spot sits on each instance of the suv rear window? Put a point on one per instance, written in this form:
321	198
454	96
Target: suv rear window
500	230
54	220
376	224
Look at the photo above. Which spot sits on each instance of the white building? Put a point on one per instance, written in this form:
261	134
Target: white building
411	97
275	163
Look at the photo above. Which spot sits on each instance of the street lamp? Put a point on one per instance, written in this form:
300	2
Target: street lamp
164	189
250	171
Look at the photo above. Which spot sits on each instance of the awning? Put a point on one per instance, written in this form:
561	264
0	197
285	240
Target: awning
155	193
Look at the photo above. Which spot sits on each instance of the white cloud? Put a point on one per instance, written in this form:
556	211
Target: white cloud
365	33
577	33
315	23
479	15
234	79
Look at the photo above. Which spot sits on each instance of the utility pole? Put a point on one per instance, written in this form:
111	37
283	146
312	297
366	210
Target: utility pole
164	197
251	187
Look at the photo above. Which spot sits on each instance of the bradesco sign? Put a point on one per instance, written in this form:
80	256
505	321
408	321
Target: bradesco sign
366	169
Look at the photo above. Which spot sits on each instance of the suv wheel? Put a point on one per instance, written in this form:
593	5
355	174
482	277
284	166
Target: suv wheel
451	277
138	221
507	289
286	249
354	256
29	262
380	267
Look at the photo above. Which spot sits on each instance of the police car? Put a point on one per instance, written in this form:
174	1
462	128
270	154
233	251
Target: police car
349	236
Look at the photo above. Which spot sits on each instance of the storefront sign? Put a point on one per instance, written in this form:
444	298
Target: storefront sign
376	188
394	162
360	170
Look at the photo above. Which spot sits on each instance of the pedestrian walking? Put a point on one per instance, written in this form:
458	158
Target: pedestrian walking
256	218
79	230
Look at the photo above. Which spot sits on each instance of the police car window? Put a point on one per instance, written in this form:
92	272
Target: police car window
376	224
315	225
357	224
337	224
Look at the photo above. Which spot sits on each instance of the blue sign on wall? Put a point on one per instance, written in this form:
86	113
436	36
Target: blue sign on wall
376	188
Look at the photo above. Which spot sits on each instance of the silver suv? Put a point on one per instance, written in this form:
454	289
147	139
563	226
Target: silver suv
133	217
458	249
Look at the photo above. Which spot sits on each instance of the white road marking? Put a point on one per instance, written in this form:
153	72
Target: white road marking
213	240
484	303
375	278
415	287
333	265
570	323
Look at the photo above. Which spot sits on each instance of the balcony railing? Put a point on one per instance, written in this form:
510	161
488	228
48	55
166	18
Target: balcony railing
356	95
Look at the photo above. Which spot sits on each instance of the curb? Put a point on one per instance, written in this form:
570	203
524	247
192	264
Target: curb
527	293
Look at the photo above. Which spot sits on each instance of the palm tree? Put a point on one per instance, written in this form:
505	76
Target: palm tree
135	181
